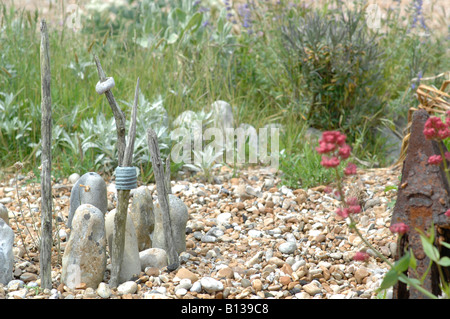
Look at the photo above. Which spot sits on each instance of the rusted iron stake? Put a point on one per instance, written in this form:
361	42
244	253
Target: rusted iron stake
422	200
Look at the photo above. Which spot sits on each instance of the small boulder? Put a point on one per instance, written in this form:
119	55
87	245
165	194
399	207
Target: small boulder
88	189
84	259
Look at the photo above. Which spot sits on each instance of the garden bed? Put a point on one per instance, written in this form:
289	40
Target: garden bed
247	258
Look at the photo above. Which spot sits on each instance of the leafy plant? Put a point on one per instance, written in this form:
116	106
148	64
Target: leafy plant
335	63
205	161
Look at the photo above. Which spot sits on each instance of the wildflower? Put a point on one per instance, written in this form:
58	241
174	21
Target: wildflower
447	213
350	169
330	162
435	159
344	151
334	137
447	156
361	256
352	201
354	209
435	128
400	228
443	134
343	212
325	147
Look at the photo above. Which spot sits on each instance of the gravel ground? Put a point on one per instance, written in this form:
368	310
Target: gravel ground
268	241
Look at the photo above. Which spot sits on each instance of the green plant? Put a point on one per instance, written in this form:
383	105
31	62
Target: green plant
334	62
303	169
205	161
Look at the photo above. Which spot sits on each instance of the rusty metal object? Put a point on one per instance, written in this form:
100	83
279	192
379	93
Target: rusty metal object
422	200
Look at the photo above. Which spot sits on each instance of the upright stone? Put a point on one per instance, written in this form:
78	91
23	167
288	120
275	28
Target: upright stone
131	264
141	212
84	259
89	189
178	216
4	214
6	253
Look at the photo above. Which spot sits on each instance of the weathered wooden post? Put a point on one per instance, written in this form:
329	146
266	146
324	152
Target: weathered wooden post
163	187
46	164
125	157
422	200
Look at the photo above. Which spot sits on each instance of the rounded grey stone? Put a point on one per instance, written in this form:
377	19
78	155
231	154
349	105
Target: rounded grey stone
287	247
84	259
89	189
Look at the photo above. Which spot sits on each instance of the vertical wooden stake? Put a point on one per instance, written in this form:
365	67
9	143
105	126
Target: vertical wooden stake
125	159
46	183
163	198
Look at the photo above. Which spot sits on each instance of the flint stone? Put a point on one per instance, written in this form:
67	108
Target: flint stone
130	265
6	253
73	178
128	287
4	214
84	259
153	257
287	247
211	285
93	192
104	290
178	218
142	215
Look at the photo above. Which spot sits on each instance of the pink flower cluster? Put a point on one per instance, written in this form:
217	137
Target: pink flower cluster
400	228
435	129
352	208
361	256
333	143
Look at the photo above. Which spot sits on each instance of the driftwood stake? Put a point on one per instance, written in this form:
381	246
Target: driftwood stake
125	154
163	198
46	186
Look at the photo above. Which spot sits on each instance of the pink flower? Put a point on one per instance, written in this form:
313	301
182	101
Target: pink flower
361	256
330	162
354	209
352	201
447	156
334	137
429	133
435	159
400	228
325	147
435	129
447	213
342	212
350	169
344	151
444	133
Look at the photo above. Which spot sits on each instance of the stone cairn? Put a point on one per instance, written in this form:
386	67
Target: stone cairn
84	259
152	237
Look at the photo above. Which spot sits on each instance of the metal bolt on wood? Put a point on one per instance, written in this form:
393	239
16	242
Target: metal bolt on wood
125	159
